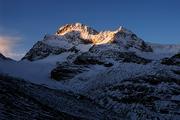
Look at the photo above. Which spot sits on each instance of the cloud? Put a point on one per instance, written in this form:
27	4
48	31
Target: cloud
8	45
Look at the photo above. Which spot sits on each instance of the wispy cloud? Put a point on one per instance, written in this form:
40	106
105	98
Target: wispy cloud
8	45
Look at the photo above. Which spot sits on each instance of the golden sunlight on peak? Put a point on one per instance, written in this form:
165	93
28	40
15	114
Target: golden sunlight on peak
103	37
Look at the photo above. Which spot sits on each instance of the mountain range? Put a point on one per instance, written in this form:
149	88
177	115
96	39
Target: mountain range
81	73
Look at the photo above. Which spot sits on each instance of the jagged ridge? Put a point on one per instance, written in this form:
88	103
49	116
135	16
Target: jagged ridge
121	36
71	36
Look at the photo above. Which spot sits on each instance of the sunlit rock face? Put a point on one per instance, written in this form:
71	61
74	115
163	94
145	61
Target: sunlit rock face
121	36
80	38
76	27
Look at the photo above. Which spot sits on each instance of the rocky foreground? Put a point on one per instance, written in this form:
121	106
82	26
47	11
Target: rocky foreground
20	100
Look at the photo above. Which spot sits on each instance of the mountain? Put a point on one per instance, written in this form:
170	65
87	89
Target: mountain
2	57
81	73
79	37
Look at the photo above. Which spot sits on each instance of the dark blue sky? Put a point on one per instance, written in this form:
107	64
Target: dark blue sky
153	20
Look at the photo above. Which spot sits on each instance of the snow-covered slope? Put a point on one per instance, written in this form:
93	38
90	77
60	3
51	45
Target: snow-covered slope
79	37
2	57
121	37
161	51
109	67
165	48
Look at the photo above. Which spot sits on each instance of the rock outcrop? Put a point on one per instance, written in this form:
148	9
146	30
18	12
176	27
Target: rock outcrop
174	60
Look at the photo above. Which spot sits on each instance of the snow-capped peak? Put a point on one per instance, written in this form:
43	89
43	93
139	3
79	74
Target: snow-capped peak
82	33
81	37
125	30
78	27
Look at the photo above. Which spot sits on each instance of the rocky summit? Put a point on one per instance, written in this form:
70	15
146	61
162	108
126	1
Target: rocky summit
75	36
